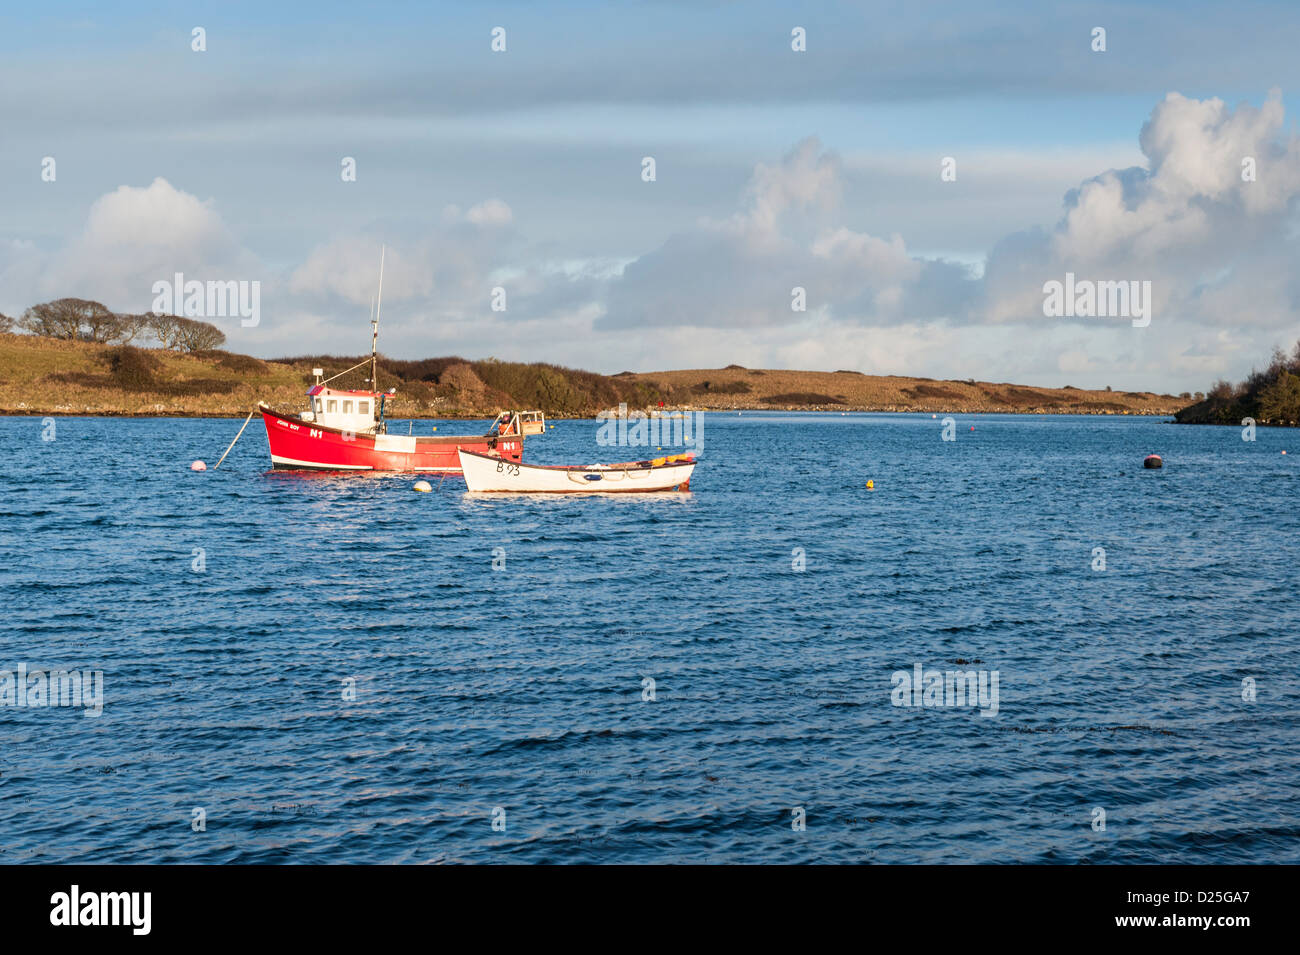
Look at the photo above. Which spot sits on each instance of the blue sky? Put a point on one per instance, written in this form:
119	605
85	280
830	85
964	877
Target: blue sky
225	164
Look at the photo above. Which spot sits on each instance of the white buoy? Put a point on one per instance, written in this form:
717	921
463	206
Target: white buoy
423	486
198	466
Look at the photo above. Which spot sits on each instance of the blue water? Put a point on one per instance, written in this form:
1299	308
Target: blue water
522	689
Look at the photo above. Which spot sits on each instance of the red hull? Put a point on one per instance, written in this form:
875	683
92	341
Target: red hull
301	445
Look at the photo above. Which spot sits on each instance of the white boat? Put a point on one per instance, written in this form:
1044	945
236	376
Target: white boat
484	473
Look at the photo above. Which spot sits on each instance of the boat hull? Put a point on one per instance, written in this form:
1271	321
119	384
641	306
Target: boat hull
486	474
299	445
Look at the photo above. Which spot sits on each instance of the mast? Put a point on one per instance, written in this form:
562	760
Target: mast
374	323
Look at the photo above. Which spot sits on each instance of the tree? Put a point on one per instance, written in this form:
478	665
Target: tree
6	323
192	335
184	334
50	320
101	325
134	325
165	328
1280	401
78	319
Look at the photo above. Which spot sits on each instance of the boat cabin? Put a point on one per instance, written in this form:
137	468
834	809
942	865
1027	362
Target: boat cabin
357	411
520	422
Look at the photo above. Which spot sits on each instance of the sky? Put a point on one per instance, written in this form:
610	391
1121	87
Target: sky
820	169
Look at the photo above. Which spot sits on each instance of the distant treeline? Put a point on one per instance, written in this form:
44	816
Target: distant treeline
553	388
1270	396
79	319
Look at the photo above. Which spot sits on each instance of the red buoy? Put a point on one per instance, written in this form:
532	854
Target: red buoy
1152	461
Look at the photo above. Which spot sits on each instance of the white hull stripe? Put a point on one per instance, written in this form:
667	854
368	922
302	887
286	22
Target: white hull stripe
276	459
317	465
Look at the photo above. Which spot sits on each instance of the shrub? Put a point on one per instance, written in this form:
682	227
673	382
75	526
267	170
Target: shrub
801	398
132	369
197	386
722	388
239	364
933	391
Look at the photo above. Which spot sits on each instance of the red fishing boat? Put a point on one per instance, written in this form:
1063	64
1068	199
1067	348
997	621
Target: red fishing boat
345	429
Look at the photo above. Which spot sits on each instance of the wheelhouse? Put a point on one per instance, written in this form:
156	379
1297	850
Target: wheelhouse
520	422
361	412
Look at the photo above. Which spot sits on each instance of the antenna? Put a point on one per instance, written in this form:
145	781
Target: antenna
374	321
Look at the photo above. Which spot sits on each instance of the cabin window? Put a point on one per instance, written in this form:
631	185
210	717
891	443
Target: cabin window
363	407
333	406
347	407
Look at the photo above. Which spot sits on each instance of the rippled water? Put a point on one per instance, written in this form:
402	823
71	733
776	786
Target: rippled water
522	690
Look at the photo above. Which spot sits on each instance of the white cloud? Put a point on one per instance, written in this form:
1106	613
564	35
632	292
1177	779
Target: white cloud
1219	250
740	272
135	236
491	212
348	268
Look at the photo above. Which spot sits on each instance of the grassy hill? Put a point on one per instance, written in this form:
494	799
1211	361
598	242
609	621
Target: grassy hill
737	387
51	376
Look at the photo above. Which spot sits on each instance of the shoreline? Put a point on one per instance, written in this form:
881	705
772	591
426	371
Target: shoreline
236	416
